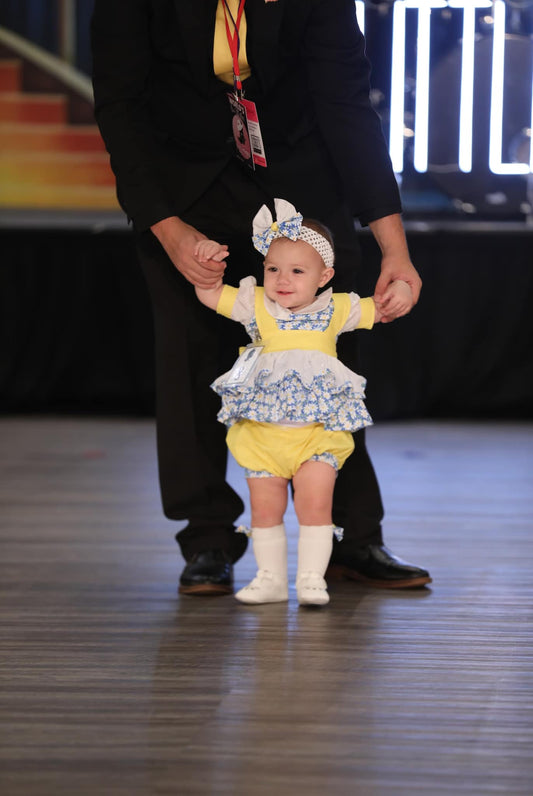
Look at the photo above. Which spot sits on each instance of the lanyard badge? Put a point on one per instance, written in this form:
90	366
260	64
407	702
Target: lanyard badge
246	132
245	123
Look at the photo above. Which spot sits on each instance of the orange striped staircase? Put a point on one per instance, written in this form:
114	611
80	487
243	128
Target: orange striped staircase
45	162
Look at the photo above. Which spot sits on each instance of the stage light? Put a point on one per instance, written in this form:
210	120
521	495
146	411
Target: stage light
466	108
497	95
360	13
470	3
463	135
420	157
397	108
397	111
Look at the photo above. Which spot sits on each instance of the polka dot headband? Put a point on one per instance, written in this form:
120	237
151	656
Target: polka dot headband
288	224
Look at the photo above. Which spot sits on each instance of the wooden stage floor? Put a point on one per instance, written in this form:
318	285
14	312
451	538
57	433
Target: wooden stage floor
111	684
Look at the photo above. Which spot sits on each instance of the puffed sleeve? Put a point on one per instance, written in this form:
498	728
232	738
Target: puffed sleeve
238	303
362	314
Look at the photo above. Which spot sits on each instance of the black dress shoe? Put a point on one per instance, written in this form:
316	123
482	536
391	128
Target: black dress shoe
376	566
207	573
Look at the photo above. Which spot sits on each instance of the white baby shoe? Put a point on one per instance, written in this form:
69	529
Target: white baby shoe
312	589
264	588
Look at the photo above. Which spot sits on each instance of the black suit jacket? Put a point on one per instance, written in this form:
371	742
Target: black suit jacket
165	117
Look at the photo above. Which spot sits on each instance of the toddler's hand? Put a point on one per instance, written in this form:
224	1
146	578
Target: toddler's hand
210	250
397	301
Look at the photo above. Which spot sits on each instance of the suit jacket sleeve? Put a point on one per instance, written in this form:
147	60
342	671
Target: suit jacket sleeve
121	80
338	74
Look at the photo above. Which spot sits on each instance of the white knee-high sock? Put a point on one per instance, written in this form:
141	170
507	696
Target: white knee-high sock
270	549
315	544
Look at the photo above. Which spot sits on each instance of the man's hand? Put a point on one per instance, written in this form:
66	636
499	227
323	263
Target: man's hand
393	270
396	263
397	301
180	240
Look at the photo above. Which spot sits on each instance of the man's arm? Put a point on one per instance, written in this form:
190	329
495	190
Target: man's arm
122	65
339	80
122	62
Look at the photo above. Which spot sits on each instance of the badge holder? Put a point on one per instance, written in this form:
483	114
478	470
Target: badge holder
244	365
244	123
247	132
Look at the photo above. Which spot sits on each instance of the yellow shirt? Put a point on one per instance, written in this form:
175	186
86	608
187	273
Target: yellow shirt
222	60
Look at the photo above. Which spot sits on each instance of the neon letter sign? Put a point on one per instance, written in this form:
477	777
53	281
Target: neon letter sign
421	131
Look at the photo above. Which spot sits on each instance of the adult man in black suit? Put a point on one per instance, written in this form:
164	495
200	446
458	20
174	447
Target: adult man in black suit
161	84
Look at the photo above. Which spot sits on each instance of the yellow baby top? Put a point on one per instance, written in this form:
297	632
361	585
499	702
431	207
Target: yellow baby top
297	377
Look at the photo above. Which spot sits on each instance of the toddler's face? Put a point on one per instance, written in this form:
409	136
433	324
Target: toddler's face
294	271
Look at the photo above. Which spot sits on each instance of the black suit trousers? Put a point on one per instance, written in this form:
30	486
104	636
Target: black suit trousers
194	345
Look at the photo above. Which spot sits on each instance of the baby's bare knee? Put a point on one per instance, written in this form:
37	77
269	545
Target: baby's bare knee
268	501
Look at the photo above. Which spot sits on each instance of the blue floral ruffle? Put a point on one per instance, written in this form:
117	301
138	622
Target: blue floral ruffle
289	400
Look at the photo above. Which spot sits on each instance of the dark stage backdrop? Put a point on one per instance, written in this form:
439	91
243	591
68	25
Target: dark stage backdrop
76	329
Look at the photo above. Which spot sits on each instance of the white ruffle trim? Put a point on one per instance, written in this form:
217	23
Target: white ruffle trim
297	386
272	368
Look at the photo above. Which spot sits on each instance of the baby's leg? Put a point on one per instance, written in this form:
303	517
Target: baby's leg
268	498
313	484
313	497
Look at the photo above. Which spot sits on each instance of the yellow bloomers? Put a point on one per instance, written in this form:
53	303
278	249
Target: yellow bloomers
281	450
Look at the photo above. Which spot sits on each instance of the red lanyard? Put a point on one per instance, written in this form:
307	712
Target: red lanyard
233	41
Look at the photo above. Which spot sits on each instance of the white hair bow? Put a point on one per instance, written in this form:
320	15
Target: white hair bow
288	224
